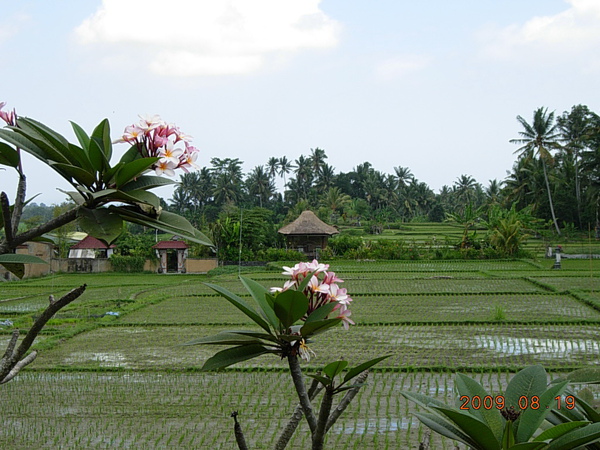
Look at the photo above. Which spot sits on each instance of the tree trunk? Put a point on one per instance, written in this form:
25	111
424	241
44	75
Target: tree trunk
550	198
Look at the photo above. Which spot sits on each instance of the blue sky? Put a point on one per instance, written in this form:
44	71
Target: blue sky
432	85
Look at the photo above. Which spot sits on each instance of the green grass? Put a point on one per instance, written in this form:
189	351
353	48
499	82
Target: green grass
127	382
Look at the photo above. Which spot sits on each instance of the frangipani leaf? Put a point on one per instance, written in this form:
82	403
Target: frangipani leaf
529	446
24	144
132	197
101	223
76	173
51	136
240	304
475	428
234	355
81	135
8	155
147	182
445	427
290	306
133	169
528	382
492	417
588	410
304	282
558	430
508	437
255	334
355	371
335	368
576	438
531	419
316	327
225	338
259	294
168	222
423	400
101	134
96	156
321	379
321	312
588	375
75	196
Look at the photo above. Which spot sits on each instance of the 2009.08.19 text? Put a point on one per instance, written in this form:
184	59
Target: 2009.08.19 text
524	402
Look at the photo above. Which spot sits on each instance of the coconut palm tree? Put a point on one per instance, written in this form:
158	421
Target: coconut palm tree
261	185
285	167
272	167
317	158
576	127
538	139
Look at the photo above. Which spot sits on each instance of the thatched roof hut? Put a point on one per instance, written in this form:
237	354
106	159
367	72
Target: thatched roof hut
308	234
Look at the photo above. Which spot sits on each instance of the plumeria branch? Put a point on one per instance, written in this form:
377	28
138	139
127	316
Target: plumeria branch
341	407
13	360
296	373
292	425
326	404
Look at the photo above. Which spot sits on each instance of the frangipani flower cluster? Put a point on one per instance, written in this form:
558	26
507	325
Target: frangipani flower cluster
155	138
10	117
322	288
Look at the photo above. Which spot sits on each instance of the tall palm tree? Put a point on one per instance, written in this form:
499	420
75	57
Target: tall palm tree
261	185
464	187
492	192
227	174
304	175
335	200
576	127
326	177
404	176
539	139
317	158
273	167
285	167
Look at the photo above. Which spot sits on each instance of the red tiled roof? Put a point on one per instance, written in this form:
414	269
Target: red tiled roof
168	245
91	242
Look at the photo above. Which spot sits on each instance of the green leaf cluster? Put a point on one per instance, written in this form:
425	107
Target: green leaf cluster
330	371
485	428
278	315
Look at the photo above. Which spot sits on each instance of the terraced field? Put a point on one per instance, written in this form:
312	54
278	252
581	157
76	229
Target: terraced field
106	381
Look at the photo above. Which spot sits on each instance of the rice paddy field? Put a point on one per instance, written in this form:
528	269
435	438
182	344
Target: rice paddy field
108	381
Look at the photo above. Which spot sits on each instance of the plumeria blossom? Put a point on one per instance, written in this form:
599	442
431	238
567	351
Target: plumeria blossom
155	138
10	117
305	351
166	167
346	320
321	289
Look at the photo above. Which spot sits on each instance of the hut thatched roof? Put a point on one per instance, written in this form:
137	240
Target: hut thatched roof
308	224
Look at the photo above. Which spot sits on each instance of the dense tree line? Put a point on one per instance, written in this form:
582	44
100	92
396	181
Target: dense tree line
555	179
556	173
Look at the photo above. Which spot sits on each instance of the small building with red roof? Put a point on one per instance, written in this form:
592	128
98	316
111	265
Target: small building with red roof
92	248
172	255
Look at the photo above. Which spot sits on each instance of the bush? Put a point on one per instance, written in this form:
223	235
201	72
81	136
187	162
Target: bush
341	245
127	264
279	254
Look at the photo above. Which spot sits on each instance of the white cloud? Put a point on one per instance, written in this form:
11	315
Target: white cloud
571	33
186	38
12	26
399	66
